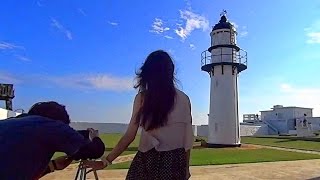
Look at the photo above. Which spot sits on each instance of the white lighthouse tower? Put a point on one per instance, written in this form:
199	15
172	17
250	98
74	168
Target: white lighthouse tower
224	60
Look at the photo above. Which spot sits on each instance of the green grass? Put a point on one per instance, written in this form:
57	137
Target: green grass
110	141
312	144
208	156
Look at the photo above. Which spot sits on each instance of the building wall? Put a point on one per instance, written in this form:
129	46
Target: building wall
281	126
253	130
245	130
202	130
315	122
4	114
285	113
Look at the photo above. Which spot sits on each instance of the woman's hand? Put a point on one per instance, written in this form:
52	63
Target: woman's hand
94	165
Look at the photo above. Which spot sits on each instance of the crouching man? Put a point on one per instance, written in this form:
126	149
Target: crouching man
28	142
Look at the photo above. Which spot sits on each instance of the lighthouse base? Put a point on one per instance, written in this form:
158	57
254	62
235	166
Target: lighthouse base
222	145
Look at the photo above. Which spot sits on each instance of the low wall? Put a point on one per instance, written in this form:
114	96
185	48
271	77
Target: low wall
315	122
102	127
253	130
108	128
202	131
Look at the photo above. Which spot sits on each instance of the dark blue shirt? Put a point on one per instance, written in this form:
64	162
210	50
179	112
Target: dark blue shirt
28	143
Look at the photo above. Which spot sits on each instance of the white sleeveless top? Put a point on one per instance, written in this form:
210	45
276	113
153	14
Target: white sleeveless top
176	134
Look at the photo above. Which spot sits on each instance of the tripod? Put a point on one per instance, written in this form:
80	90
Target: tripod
82	172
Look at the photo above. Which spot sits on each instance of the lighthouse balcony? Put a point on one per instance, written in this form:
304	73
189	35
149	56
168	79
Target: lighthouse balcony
6	91
237	59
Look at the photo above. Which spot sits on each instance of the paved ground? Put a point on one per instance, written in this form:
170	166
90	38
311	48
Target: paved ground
291	170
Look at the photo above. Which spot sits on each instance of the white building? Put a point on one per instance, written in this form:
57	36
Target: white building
282	120
4	113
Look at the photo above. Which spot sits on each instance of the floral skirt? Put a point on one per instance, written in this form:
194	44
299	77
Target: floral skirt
158	165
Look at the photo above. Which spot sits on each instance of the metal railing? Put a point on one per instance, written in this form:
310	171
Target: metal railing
236	56
6	91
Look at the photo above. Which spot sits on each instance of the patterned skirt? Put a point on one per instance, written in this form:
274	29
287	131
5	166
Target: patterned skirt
158	165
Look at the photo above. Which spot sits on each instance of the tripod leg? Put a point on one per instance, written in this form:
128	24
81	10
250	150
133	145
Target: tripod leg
95	175
78	171
81	171
84	173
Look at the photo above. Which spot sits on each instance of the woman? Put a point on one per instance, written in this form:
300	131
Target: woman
164	115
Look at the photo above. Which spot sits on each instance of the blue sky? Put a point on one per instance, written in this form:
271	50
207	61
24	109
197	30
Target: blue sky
84	53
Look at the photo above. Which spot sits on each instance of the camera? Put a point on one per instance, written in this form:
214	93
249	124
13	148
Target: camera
84	133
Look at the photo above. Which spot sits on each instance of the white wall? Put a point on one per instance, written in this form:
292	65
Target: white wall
253	130
202	130
108	127
315	122
285	113
245	130
223	114
4	114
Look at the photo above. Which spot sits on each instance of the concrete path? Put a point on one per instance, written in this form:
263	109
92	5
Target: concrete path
291	170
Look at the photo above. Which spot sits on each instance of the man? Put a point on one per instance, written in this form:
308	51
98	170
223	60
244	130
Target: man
29	141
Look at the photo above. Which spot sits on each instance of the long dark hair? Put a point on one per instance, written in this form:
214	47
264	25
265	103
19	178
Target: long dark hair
156	83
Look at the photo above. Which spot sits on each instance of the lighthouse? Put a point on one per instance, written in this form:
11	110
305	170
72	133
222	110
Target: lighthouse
223	61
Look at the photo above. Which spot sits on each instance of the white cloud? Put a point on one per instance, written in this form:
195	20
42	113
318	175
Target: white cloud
157	27
23	58
283	94
168	37
242	30
235	25
313	33
302	96
94	82
81	11
313	38
192	46
9	46
40	3
243	34
107	82
113	23
193	21
102	82
61	28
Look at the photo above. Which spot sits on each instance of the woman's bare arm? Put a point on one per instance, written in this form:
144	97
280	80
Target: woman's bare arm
130	134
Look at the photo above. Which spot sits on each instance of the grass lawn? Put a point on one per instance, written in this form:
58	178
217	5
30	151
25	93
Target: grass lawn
110	141
208	156
287	142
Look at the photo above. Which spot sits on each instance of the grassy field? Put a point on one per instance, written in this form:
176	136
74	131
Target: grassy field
110	141
206	156
287	142
235	156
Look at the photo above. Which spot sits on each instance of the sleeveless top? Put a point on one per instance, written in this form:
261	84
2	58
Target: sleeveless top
177	133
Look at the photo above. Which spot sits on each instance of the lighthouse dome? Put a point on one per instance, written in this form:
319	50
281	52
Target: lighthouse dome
223	24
